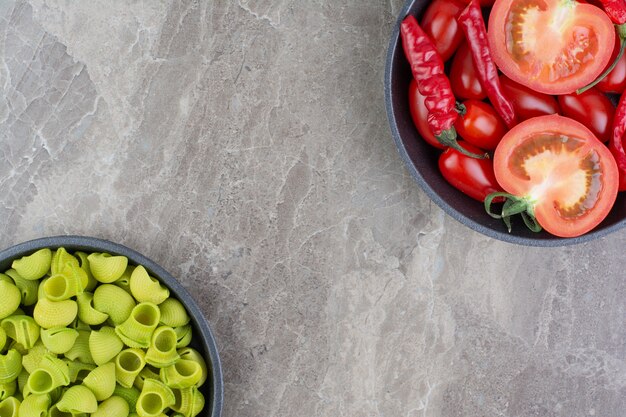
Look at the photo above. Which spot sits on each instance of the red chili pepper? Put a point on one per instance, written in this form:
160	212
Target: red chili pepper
432	83
617	141
471	20
616	10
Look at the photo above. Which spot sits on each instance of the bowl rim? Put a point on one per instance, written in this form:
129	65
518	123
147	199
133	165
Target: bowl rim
432	194
74	242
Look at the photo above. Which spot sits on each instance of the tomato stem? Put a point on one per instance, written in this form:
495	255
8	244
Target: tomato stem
448	138
621	32
513	205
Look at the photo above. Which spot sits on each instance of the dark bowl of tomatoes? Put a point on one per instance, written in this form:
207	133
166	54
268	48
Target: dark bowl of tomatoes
423	159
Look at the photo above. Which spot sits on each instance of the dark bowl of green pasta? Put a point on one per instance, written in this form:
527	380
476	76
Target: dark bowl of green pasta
91	327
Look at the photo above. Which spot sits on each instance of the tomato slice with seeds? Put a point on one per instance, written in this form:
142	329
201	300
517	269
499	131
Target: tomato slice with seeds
551	46
560	171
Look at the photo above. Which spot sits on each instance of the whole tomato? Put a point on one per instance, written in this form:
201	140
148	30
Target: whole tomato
480	125
615	81
439	23
528	103
419	114
591	108
463	78
474	177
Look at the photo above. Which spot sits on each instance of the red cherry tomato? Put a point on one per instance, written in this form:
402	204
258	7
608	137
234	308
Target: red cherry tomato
551	46
439	23
528	103
463	77
483	3
471	176
419	113
591	108
480	125
555	165
615	82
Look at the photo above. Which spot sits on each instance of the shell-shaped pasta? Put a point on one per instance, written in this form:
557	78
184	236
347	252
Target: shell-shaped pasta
155	397
191	354
11	299
137	330
113	407
33	266
60	258
55	412
22	379
104	345
173	313
59	287
51	374
101	381
49	314
86	311
147	289
27	288
128	364
80	351
10	407
3	338
78	324
124	281
7	390
6	278
146	373
114	301
35	406
59	339
79	370
162	351
32	358
78	399
130	395
189	401
21	328
183	335
106	268
84	265
183	374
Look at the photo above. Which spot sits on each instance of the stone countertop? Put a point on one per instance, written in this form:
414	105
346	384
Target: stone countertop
244	146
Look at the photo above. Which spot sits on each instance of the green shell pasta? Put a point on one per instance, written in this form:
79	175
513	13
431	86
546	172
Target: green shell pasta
87	312
84	265
146	373
193	355
162	351
60	287
78	399
60	258
80	351
21	328
114	301
130	395
22	379
49	314
173	313
3	338
101	381
10	407
52	373
155	397
137	330
106	268
112	407
35	406
59	339
128	364
124	281
27	288
189	401
183	374
7	390
147	289
33	266
104	345
79	370
183	336
11	299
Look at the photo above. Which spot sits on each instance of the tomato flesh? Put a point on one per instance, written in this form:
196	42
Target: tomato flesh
558	166
551	46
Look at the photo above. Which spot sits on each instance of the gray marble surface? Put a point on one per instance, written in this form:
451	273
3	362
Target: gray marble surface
244	146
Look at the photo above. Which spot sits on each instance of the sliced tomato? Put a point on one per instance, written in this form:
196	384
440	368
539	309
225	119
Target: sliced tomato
419	114
564	174
551	46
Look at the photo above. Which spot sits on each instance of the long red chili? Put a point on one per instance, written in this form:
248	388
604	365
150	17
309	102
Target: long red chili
617	141
432	83
472	23
616	9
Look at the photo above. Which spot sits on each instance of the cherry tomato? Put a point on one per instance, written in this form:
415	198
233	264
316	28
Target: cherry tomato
555	165
591	108
551	46
615	82
463	78
483	3
419	113
480	125
439	23
528	103
471	176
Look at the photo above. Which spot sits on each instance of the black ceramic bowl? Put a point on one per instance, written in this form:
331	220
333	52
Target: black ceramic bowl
421	160
203	341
